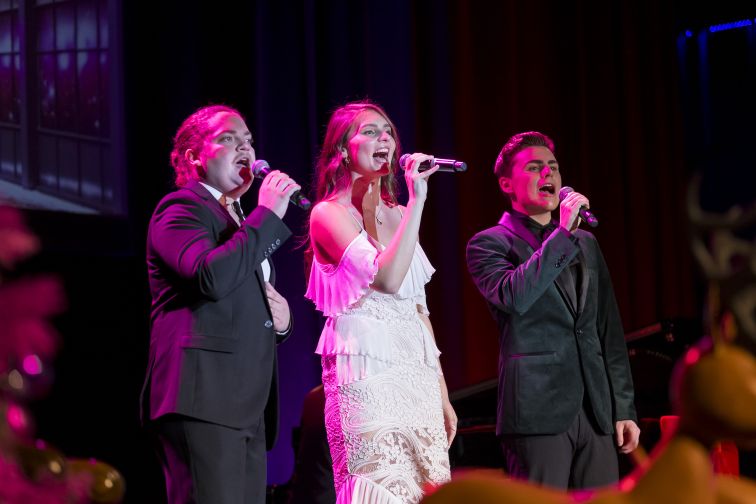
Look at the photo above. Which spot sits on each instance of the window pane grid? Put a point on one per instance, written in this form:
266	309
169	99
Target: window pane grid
70	56
72	62
69	139
10	99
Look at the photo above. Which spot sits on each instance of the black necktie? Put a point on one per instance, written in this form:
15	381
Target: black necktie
238	210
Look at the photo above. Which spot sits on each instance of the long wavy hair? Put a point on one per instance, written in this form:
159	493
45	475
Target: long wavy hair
191	135
332	174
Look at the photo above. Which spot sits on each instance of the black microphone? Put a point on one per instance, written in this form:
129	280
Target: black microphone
444	165
584	212
261	168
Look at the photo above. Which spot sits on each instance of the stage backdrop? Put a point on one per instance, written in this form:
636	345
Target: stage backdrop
458	78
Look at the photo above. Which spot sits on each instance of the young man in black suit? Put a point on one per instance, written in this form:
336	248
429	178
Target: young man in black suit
211	389
565	392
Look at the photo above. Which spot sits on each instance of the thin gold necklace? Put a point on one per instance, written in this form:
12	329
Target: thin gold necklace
353	209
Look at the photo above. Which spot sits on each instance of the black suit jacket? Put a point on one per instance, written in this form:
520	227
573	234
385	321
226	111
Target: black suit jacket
554	347
212	343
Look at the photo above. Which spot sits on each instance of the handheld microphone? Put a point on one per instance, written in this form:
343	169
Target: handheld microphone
584	212
444	165
261	168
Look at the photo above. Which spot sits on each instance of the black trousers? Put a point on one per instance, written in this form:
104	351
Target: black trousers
206	463
582	457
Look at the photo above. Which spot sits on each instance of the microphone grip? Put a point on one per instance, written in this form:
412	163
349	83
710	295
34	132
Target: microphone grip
584	213
588	217
300	200
425	166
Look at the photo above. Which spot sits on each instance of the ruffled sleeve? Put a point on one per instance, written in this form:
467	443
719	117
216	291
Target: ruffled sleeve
419	274
333	288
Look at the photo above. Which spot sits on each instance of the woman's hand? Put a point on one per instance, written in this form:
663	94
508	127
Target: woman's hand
417	183
450	420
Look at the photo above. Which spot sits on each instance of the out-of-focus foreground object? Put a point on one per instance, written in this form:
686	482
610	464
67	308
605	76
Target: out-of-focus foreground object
30	469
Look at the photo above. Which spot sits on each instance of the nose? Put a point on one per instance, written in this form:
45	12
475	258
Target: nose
546	171
244	145
385	136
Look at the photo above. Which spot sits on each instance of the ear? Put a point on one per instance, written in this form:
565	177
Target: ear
505	183
191	156
344	153
193	159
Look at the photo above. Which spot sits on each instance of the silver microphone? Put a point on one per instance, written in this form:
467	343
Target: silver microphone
444	165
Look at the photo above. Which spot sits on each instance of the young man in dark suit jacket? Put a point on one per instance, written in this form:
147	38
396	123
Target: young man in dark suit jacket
211	388
565	390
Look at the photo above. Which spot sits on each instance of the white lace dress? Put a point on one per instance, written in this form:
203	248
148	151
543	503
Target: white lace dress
381	378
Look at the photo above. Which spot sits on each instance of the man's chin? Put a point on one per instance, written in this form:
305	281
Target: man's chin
549	205
239	190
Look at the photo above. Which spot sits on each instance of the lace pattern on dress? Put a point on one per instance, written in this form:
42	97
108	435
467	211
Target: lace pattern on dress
387	428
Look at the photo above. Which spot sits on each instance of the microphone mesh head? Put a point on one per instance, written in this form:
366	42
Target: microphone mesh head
564	191
260	168
403	160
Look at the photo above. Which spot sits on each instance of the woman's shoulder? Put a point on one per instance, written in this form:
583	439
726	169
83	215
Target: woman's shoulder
329	212
332	230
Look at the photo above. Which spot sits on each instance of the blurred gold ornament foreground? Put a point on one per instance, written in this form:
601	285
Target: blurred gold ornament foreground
107	487
716	400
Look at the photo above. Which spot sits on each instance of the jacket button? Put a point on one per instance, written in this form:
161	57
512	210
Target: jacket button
278	241
579	332
268	324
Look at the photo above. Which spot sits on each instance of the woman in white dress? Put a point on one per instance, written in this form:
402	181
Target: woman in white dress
388	416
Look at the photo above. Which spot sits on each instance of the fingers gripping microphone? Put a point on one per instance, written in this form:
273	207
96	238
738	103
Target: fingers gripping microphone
584	212
261	168
444	165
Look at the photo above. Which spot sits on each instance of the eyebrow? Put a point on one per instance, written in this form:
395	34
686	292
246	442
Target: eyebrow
374	125
539	162
234	132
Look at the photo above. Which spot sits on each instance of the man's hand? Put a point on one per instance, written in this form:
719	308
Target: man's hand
279	308
569	208
627	434
275	191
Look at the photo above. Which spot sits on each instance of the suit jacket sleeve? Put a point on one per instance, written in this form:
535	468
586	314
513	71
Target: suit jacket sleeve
613	340
505	275
184	239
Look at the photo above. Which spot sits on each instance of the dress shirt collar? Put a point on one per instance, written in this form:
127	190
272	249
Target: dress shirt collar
216	193
539	230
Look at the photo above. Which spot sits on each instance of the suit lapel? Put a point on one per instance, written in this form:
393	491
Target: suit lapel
584	279
519	229
261	280
212	203
222	213
563	285
516	227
